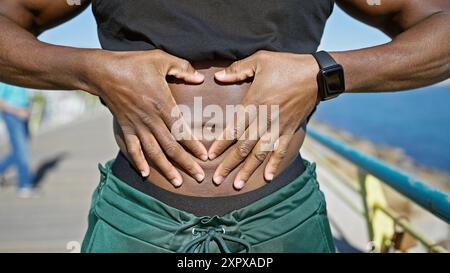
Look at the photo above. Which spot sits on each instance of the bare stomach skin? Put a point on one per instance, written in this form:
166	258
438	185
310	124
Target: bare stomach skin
213	93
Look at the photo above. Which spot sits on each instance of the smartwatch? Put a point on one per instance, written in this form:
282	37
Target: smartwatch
330	80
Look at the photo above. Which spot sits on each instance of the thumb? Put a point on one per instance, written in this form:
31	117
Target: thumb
183	70
237	71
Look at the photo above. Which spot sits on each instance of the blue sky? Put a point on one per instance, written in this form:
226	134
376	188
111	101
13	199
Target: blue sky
342	33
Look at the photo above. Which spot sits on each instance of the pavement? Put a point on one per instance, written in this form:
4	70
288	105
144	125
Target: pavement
65	160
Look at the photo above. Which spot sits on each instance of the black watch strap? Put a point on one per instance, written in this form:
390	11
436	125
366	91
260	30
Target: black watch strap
331	82
324	59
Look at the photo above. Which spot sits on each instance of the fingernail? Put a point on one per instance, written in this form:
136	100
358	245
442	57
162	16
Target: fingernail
269	176
239	184
199	177
176	182
212	156
144	173
221	73
198	75
218	179
204	157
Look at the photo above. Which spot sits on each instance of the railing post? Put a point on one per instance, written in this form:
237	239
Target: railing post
38	105
380	227
362	175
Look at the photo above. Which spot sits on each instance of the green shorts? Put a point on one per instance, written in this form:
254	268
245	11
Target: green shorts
292	219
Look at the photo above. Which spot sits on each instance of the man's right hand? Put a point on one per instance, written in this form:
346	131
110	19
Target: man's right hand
134	88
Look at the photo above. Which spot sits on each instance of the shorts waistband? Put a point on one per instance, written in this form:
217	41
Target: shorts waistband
123	170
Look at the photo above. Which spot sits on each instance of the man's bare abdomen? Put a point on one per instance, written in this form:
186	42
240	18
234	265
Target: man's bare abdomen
213	93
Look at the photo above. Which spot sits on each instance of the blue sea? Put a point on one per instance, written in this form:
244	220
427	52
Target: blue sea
416	121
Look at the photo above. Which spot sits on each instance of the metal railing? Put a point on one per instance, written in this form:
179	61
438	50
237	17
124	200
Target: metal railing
387	229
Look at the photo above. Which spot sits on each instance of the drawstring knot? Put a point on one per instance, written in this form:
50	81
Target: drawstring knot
205	236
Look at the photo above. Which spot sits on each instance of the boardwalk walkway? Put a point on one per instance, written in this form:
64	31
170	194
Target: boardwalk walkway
66	160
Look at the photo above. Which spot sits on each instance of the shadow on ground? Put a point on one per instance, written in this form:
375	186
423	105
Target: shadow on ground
341	243
46	166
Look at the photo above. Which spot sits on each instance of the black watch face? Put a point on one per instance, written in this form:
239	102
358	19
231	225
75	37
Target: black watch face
334	80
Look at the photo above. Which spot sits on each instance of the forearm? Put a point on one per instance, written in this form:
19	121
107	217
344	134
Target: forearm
25	61
418	57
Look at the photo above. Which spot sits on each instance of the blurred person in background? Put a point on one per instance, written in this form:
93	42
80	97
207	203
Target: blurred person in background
14	109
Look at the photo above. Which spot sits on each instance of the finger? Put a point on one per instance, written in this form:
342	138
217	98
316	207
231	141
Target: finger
133	146
182	69
237	71
188	139
225	140
254	160
234	130
238	154
280	152
173	118
129	142
154	153
195	147
176	152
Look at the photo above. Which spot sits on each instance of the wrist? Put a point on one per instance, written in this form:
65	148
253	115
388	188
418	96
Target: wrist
315	79
92	70
88	70
309	70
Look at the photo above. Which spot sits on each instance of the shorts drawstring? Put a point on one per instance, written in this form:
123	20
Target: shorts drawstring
211	234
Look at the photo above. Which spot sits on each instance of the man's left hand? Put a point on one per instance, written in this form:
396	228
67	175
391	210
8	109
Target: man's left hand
285	80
